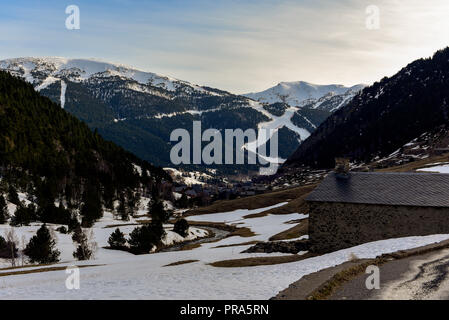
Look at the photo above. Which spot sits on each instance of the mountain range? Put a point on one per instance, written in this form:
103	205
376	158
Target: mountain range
304	94
384	118
138	110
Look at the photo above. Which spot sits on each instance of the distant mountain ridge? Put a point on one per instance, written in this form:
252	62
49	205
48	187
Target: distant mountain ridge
138	110
383	117
301	93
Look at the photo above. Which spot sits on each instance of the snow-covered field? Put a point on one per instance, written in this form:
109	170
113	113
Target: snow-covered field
121	275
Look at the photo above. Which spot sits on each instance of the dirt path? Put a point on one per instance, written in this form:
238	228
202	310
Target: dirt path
420	273
301	289
421	277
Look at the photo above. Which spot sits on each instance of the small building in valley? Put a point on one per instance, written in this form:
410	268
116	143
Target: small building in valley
351	208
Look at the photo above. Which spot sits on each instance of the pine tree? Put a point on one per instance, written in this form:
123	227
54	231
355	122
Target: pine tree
183	202
73	223
157	212
133	201
122	210
41	248
3	210
181	227
86	245
91	209
117	240
13	197
23	215
77	234
82	252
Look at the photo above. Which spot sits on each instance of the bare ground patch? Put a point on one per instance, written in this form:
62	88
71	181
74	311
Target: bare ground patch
295	205
260	261
13	273
190	246
177	263
254	202
236	244
296	231
233	230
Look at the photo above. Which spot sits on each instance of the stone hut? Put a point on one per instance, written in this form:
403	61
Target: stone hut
358	207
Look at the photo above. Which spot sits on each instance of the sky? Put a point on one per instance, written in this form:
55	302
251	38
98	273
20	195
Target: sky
236	45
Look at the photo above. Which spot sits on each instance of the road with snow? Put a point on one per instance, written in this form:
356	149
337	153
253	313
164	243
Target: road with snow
419	277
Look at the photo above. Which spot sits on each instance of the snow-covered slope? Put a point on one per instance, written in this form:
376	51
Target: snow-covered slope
300	93
114	274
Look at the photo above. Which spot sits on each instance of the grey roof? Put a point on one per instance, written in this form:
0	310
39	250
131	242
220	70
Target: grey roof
406	189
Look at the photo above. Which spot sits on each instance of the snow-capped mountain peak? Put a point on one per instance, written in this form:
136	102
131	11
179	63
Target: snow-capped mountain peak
44	71
299	93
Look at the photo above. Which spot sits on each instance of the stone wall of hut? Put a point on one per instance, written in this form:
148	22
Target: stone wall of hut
334	226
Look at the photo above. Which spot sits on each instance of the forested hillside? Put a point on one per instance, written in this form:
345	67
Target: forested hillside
383	117
52	156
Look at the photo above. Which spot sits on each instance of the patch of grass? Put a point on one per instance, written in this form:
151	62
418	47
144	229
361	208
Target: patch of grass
243	232
260	261
253	202
190	246
297	231
177	263
297	205
4	274
216	225
295	221
25	266
232	229
236	244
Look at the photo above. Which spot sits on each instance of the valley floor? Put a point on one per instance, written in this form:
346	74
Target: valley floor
121	275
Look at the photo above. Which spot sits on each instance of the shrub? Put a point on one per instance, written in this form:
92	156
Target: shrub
181	227
62	229
117	240
143	239
8	249
183	202
41	248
